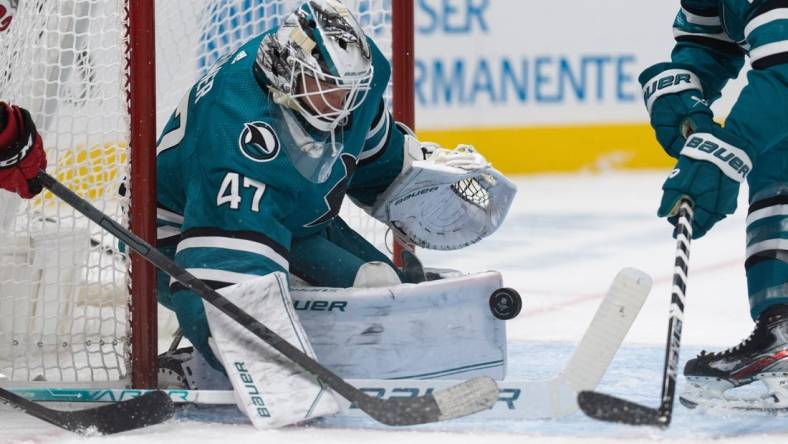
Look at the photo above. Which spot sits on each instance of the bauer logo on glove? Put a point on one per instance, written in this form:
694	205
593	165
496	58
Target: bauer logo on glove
734	162
669	82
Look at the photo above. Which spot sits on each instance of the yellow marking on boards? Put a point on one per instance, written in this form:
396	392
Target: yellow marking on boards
560	148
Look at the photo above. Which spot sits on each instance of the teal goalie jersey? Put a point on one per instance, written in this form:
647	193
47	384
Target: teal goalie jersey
231	204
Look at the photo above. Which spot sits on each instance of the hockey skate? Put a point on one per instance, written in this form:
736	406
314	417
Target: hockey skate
186	369
763	357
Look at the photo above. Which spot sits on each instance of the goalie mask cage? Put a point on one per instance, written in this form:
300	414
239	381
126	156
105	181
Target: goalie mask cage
100	78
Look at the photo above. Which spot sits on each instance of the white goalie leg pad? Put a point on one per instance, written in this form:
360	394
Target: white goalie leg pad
269	388
201	376
442	329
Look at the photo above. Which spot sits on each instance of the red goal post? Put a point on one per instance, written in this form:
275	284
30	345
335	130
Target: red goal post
143	309
403	69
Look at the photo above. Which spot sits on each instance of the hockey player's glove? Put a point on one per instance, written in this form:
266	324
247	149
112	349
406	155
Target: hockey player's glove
712	164
7	10
444	199
675	103
21	152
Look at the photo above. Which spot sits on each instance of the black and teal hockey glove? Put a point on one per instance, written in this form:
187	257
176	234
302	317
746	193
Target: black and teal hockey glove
712	164
675	103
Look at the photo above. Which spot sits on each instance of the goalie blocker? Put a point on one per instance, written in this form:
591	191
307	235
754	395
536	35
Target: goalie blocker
448	200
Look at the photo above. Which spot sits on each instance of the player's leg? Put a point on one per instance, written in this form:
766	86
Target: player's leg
760	116
767	233
188	367
765	351
335	256
763	356
331	258
175	366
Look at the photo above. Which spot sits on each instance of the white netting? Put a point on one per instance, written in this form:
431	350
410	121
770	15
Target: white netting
63	300
63	282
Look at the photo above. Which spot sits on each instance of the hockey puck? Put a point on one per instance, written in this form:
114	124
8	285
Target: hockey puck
505	303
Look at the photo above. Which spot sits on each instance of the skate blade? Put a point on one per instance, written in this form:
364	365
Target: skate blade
712	394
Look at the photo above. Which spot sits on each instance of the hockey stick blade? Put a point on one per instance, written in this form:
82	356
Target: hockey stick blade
471	396
611	409
604	335
465	399
149	409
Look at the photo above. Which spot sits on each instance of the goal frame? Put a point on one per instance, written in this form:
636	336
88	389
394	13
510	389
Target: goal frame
141	85
403	62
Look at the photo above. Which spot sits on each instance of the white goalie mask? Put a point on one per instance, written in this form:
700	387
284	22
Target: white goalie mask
318	63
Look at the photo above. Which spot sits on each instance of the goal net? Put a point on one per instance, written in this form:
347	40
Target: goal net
64	283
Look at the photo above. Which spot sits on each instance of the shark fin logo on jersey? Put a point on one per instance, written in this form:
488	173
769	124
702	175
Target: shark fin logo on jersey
259	142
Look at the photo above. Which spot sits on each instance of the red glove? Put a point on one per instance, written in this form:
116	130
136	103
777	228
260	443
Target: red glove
7	9
21	152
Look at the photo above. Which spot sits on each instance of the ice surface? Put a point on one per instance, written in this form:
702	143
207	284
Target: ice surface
565	239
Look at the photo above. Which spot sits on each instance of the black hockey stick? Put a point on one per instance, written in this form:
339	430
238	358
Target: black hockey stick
461	400
149	409
610	408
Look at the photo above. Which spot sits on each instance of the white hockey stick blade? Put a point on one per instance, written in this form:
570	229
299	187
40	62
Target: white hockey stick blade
607	330
472	396
596	349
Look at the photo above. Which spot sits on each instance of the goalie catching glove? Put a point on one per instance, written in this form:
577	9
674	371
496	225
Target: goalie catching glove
444	199
21	152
